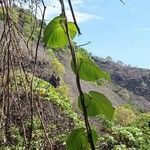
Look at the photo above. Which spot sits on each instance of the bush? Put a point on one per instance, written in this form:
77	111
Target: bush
1	15
133	137
63	89
58	67
143	122
124	116
122	138
120	147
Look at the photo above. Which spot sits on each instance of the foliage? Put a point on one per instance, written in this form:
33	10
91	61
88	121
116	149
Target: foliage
63	89
55	32
87	69
52	94
57	67
47	93
124	116
132	132
125	138
1	14
58	33
30	24
143	122
120	147
78	140
132	136
18	139
83	51
97	104
124	94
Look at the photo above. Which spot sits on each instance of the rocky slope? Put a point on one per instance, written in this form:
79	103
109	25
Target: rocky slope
135	80
52	111
129	84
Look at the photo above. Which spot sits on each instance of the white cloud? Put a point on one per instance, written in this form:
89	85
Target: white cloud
82	17
54	9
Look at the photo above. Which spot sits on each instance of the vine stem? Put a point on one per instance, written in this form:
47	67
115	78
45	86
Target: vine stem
32	79
72	49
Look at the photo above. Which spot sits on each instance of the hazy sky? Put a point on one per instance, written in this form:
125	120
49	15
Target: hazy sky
116	30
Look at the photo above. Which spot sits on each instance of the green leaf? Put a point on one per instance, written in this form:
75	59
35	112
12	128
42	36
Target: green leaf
95	136
97	104
55	33
87	68
78	140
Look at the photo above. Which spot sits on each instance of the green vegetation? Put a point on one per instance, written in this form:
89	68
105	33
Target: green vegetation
87	68
78	139
57	67
1	14
96	106
124	116
122	135
132	136
46	93
58	33
25	21
119	128
55	30
44	89
63	89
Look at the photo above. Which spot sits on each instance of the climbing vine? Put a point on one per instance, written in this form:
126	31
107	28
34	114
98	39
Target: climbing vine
59	33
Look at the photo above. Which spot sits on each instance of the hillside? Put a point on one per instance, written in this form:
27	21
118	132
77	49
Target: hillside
126	87
135	80
129	84
38	97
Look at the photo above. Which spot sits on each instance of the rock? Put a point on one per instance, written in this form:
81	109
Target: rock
54	81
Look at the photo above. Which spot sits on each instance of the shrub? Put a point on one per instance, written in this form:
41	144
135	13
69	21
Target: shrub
130	136
143	122
1	15
63	90
58	67
124	116
120	147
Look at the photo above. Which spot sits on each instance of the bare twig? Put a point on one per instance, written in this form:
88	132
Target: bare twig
84	44
34	69
73	15
122	2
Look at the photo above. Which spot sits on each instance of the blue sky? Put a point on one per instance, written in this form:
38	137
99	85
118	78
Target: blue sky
116	30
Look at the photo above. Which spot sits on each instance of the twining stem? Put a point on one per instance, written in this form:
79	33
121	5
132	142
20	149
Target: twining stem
72	49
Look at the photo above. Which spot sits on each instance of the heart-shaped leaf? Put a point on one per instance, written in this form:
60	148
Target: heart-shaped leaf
97	104
78	140
55	33
87	69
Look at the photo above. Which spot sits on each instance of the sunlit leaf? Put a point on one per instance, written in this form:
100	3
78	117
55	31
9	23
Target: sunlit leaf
55	33
97	104
87	69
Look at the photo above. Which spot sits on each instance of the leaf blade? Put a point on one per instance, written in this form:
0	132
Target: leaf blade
97	104
78	140
87	69
55	34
